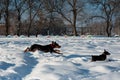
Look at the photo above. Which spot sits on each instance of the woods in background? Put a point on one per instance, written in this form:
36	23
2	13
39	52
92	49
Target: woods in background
59	17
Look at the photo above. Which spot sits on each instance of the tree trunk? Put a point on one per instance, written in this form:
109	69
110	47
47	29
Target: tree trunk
7	25
19	24
74	18
30	18
74	23
28	33
7	18
108	28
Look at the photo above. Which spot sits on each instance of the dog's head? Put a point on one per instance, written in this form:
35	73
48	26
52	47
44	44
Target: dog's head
27	49
106	52
55	45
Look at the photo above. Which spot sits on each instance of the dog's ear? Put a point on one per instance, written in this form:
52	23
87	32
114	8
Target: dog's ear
104	50
53	42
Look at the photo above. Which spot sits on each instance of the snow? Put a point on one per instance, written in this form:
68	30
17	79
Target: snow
74	64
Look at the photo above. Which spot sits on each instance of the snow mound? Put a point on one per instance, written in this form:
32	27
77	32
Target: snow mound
101	69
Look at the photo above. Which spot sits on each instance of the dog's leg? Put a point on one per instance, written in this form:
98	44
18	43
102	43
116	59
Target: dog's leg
57	51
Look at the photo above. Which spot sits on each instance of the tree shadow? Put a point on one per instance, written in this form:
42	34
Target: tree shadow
26	68
22	70
77	56
4	65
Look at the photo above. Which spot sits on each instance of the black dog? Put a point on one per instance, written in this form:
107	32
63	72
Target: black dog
44	48
101	57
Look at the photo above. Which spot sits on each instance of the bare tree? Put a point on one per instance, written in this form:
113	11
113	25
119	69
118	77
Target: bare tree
6	9
108	10
20	9
1	8
71	11
40	23
33	11
6	15
50	6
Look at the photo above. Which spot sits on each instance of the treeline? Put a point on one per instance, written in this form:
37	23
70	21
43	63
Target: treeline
59	17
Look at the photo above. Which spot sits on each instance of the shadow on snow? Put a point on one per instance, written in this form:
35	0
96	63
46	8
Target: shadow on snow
23	70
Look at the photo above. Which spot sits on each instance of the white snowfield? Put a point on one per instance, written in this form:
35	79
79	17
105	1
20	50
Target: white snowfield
74	64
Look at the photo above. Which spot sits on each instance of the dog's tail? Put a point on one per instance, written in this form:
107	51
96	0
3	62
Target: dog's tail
27	49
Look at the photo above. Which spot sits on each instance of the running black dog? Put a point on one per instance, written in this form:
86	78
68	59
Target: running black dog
44	48
101	57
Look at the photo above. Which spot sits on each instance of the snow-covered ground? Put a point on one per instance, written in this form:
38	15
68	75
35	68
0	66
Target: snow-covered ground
75	64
